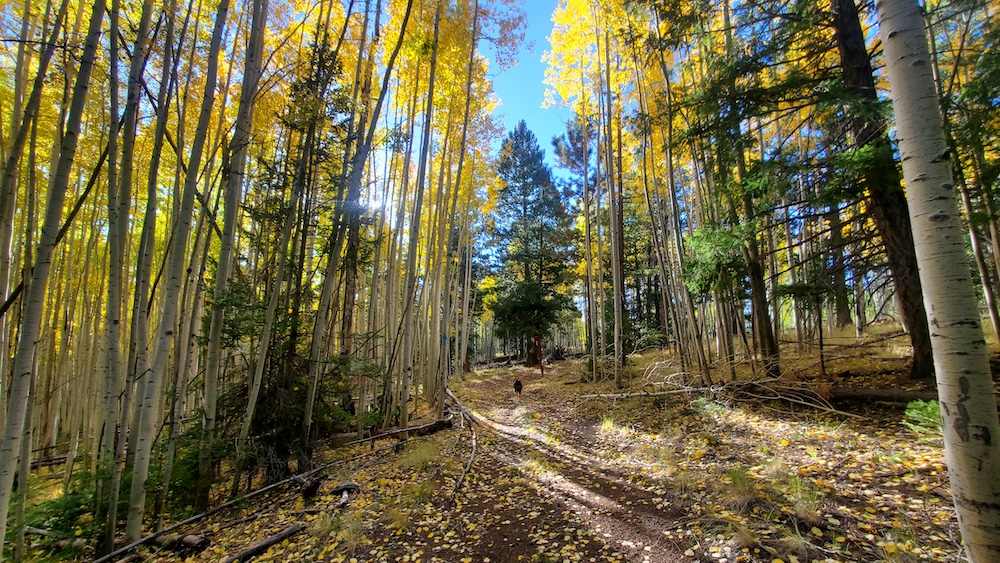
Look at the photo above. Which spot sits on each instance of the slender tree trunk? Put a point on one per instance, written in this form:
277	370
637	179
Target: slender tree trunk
233	187
411	252
965	386
22	120
24	469
264	347
175	273
463	329
326	296
35	292
352	208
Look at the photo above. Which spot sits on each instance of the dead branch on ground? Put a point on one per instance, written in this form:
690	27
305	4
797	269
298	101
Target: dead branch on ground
770	389
261	546
304	475
420	430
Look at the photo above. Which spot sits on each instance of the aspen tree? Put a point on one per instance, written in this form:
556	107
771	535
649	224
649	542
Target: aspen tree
22	119
350	218
119	203
411	251
961	358
148	405
233	195
889	205
463	329
944	93
357	165
34	295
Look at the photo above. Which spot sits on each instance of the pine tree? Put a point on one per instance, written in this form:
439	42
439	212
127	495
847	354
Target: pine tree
533	230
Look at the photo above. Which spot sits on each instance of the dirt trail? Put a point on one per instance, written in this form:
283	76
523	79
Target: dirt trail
572	466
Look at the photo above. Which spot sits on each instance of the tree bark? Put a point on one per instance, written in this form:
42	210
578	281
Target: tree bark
888	202
410	296
148	406
357	165
31	321
233	187
961	357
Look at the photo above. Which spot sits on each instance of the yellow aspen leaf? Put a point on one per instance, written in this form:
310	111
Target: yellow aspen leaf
817	532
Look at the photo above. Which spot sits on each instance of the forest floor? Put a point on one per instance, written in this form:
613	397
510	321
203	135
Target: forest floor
562	477
558	476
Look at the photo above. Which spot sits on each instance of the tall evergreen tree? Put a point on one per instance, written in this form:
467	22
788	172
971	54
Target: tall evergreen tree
534	232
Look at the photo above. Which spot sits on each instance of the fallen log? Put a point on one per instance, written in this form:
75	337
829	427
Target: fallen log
144	540
646	393
48	462
261	546
308	486
306	474
472	456
185	542
40	532
888	395
420	430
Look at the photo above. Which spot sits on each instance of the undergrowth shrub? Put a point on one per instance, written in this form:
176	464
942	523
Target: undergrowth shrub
607	425
397	519
420	456
707	407
66	515
742	490
924	418
423	492
807	500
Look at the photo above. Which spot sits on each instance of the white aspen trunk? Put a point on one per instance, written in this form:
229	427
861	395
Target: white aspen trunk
961	358
233	196
437	251
410	296
119	203
615	212
139	333
146	428
35	292
357	167
8	187
74	340
464	314
187	366
24	469
113	308
22	64
393	288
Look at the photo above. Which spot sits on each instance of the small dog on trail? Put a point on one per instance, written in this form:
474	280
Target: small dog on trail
517	386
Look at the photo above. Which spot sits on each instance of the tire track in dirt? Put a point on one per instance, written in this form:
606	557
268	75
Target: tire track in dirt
577	475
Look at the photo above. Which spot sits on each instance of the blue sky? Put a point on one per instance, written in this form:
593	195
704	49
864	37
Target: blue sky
520	88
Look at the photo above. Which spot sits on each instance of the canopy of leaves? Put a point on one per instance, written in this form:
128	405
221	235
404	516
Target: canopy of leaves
714	262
